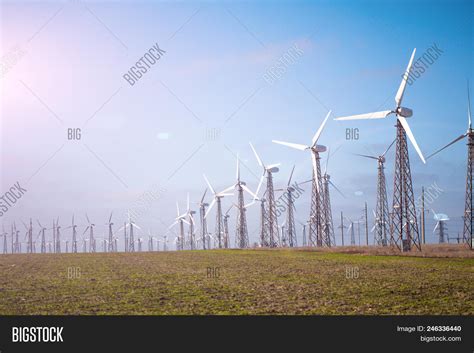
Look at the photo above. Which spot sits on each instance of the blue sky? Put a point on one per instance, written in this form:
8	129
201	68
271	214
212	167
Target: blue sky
354	54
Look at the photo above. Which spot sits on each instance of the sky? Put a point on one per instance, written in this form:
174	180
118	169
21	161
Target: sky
209	95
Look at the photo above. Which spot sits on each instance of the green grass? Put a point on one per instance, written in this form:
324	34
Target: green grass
250	282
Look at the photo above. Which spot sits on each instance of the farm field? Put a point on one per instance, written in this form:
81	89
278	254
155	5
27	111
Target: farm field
348	280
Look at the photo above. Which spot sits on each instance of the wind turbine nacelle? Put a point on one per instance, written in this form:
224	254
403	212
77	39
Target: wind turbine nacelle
273	170
405	112
320	148
243	183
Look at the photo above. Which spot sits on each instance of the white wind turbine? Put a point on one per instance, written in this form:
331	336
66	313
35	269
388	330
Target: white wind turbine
317	221
90	228
190	214
404	220
180	219
241	234
271	219
400	112
219	227
131	225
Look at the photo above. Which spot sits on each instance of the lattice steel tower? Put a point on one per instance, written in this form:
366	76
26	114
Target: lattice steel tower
405	225
382	220
241	233
468	215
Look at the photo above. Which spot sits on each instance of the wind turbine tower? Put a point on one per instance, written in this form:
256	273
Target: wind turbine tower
382	228
203	220
468	206
404	220
90	227
290	217
111	234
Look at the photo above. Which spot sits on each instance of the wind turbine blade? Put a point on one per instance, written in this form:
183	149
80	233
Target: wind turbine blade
383	155
373	228
315	170
365	155
320	130
38	224
375	115
187	203
85	230
238	168
259	185
210	207
407	129
110	218
292	145
403	84
87	217
171	226
449	144
185	221
177	208
260	163
337	189
209	184
136	226
249	191
249	204
203	196
327	160
436	227
469	107
305	182
228	189
291	175
226	212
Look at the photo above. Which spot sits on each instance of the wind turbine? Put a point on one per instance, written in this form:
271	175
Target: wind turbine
190	214
441	220
382	229
150	241
202	218
404	211
226	228
43	238
180	219
130	246
468	207
317	220
74	235
111	234
218	201
272	221
290	218
304	240
29	237
90	227
241	232
5	249
58	237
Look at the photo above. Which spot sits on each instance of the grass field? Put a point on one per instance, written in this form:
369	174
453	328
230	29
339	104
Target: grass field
352	281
